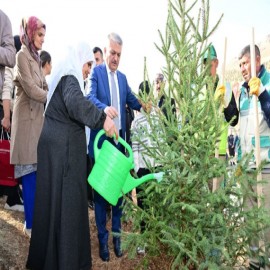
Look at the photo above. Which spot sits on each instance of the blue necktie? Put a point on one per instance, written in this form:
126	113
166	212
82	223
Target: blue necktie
115	100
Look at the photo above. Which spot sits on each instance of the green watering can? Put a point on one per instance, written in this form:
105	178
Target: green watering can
110	175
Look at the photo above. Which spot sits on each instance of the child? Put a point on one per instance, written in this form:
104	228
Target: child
141	141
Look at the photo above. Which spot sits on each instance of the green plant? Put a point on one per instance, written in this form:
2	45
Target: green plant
197	228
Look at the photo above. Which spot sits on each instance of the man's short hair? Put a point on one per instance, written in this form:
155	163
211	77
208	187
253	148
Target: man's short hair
144	88
97	49
246	50
160	77
17	42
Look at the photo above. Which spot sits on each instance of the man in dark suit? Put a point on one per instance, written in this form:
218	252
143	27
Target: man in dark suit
110	92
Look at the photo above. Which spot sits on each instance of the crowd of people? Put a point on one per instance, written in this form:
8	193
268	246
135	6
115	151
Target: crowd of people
53	126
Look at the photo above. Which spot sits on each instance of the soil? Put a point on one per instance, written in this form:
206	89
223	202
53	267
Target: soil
14	246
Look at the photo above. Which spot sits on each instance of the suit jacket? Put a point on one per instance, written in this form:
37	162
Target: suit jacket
100	95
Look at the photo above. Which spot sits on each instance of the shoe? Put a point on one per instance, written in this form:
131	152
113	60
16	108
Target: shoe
141	250
117	247
104	252
27	232
15	207
91	205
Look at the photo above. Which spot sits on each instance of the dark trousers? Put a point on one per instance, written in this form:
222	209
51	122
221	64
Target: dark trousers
100	215
14	194
101	206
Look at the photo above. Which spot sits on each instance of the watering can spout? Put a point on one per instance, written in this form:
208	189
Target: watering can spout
132	182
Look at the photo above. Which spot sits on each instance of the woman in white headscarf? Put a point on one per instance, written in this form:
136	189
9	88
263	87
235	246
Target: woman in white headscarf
60	235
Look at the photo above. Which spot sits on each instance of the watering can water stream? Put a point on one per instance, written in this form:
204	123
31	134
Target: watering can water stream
110	175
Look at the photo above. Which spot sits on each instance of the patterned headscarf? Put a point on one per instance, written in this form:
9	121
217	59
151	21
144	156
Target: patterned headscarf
28	29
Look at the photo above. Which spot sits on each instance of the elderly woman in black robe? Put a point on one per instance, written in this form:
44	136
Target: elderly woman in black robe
60	235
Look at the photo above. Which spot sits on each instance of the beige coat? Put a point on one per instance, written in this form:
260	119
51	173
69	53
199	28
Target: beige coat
27	119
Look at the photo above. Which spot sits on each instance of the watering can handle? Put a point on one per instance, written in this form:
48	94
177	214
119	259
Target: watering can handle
120	140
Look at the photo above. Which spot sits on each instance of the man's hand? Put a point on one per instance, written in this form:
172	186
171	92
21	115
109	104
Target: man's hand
255	85
110	128
111	112
144	106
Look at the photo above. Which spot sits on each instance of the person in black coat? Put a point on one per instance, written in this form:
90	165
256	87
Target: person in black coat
60	234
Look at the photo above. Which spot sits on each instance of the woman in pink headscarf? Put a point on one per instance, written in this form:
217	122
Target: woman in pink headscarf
28	111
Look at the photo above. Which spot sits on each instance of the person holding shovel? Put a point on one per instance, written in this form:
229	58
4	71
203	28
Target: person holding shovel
253	86
210	60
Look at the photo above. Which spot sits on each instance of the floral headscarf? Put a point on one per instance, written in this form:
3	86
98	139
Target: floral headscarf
28	29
